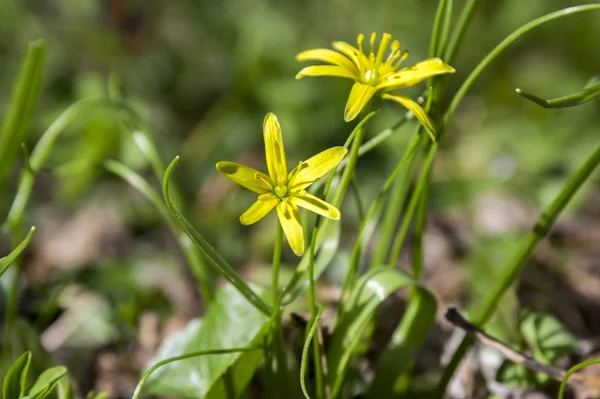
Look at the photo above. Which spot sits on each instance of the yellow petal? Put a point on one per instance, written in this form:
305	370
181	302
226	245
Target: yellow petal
417	73
289	217
274	151
358	98
247	177
416	109
314	204
327	70
315	167
355	55
259	210
326	55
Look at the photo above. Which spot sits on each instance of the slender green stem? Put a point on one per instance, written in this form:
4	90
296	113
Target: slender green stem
314	315
359	202
373	208
462	91
148	373
571	371
312	328
276	262
464	20
437	27
513	268
419	231
412	205
394	208
445	28
590	91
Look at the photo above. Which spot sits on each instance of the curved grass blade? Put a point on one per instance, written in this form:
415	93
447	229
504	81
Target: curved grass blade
304	362
462	91
215	259
6	261
573	370
370	291
148	373
590	90
16	377
20	108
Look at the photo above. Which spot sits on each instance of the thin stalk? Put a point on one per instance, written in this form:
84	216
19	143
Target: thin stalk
360	209
148	373
276	262
373	208
281	370
412	205
393	209
314	316
513	268
419	231
462	91
437	27
464	20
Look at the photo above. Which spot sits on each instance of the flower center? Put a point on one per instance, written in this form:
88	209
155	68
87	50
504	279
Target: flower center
280	191
372	77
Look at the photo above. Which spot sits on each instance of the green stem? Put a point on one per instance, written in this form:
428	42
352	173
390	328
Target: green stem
464	20
359	203
437	25
513	268
419	231
314	315
394	208
148	373
412	205
503	45
373	208
276	262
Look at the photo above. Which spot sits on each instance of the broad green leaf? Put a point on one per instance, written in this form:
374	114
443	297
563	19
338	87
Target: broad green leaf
19	111
46	382
231	322
23	337
6	261
14	381
364	300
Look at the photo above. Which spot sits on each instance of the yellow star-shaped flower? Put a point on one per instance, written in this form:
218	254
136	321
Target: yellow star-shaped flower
283	190
372	73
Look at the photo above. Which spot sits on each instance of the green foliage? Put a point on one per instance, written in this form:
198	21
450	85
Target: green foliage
231	322
14	385
17	119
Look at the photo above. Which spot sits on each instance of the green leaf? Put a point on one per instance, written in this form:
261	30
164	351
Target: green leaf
305	349
547	337
46	382
19	111
65	389
231	322
16	377
6	261
370	291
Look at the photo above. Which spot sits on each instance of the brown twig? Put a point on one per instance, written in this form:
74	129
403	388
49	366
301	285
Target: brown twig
454	317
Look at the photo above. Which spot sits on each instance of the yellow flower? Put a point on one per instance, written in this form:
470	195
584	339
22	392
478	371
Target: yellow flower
282	190
372	73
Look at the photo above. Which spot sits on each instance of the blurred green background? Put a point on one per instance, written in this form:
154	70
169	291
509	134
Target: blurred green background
204	73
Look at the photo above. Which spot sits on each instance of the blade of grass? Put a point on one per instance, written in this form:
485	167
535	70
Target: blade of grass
7	260
215	259
307	344
19	111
